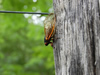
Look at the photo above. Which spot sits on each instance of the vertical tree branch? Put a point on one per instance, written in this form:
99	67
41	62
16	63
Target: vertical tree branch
78	27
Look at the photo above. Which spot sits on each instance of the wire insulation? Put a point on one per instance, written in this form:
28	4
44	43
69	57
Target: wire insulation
20	12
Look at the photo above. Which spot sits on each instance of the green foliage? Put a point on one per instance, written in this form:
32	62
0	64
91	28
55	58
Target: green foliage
22	50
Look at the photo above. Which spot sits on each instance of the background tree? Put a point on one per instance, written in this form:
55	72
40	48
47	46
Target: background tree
78	27
22	50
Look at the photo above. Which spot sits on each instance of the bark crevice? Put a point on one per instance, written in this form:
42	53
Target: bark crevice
92	43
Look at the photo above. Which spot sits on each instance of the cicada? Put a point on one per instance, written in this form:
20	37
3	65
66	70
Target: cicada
49	29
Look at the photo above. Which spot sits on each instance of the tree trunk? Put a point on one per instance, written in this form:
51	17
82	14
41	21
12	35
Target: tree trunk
76	52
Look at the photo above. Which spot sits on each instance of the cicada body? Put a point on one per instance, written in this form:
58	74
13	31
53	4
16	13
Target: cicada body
49	28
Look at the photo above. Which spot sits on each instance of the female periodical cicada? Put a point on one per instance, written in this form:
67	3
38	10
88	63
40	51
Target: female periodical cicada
49	29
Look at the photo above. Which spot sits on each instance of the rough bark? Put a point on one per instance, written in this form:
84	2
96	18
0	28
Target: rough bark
76	52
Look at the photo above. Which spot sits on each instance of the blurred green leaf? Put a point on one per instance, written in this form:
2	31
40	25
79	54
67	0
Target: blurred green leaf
22	49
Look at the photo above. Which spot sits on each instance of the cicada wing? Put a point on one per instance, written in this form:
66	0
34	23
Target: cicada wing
49	25
47	33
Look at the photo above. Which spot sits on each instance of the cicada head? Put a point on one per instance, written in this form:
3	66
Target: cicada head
46	42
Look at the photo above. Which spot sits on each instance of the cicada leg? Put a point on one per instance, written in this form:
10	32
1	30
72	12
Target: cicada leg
51	43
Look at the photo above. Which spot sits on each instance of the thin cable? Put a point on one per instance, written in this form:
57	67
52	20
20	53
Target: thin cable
20	12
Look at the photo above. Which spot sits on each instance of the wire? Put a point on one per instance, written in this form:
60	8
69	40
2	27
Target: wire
20	12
